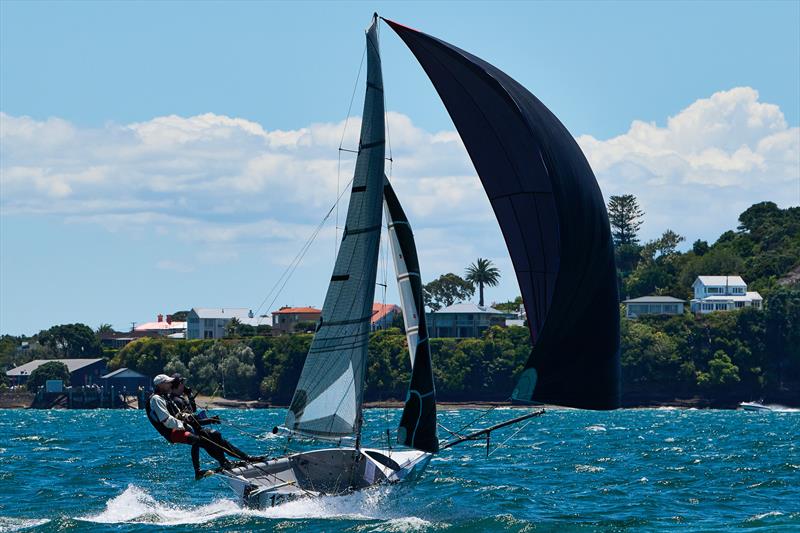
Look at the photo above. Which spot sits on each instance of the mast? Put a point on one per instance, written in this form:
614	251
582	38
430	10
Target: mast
328	399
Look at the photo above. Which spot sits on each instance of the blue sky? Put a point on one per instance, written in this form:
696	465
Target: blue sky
157	157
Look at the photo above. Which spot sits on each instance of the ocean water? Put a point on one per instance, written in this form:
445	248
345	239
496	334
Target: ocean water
628	470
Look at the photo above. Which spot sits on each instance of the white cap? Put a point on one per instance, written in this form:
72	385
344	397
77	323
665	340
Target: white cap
161	378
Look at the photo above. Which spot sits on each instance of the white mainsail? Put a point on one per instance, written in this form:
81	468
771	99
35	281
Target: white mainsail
328	397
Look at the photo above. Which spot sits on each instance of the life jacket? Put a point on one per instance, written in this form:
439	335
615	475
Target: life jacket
160	427
181	404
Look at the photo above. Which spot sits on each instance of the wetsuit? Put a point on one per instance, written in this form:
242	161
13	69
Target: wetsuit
161	413
186	406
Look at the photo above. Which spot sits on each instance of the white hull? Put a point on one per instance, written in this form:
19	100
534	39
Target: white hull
754	406
328	471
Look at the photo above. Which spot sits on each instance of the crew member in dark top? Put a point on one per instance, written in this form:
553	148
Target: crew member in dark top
183	399
173	425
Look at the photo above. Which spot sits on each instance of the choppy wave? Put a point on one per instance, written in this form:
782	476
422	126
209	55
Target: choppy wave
136	506
8	524
627	470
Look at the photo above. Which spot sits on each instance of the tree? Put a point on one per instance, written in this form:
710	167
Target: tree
668	243
625	217
103	329
71	340
233	328
47	371
447	290
511	306
305	326
228	367
721	371
482	272
700	247
180	316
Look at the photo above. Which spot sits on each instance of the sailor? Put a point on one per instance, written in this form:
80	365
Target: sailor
183	398
161	412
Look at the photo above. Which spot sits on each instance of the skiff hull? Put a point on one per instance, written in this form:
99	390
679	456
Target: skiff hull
323	472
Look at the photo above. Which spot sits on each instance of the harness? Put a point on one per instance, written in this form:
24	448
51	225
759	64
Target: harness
158	424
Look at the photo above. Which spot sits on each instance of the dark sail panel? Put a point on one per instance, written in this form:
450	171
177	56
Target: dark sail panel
327	400
418	422
553	218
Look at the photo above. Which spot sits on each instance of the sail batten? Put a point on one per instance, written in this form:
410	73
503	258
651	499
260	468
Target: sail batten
328	398
552	216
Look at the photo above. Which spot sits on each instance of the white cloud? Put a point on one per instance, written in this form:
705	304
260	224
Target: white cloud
227	183
711	161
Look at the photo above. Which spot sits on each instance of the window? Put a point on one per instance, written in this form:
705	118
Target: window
713	290
739	305
708	307
757	304
208	334
721	307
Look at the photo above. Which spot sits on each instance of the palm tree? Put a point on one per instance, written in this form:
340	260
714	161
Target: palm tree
104	328
483	272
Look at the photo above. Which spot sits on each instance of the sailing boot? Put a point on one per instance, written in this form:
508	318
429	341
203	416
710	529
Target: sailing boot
200	474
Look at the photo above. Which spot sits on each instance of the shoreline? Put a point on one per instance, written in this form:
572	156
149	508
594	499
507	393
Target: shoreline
17	400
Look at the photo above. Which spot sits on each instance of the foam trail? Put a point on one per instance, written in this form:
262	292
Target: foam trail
135	505
8	524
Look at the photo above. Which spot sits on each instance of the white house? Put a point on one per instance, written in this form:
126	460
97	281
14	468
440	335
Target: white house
722	293
463	320
210	322
653	305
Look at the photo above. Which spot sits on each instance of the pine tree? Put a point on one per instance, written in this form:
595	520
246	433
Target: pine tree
625	217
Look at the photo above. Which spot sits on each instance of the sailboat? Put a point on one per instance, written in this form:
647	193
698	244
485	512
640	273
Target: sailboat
554	221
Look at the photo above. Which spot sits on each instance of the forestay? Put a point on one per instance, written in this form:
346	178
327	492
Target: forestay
418	422
327	401
553	217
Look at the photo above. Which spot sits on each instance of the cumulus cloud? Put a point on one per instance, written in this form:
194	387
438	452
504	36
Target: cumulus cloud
225	181
707	164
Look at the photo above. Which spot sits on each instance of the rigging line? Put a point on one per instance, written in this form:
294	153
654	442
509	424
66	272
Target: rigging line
300	254
511	437
477	418
254	465
339	152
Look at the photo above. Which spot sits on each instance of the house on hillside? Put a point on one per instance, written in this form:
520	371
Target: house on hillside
210	322
464	320
127	380
164	327
119	339
81	371
285	319
383	315
653	305
722	293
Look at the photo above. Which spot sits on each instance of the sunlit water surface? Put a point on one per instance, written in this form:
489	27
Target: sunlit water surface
628	470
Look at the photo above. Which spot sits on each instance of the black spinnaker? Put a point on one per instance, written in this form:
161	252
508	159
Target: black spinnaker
553	218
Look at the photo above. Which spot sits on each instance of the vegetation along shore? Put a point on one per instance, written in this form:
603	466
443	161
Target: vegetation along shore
715	359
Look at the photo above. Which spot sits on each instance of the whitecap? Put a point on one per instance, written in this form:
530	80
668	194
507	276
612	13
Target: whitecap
135	505
8	523
595	427
762	516
588	468
409	523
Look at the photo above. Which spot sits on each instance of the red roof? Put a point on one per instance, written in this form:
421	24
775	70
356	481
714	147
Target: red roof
379	311
296	310
149	326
